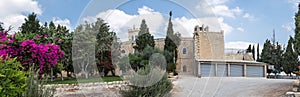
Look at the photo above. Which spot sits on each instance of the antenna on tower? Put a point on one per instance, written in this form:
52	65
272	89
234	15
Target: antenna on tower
133	27
274	40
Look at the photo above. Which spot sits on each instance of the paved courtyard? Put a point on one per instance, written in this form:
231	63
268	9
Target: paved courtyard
190	86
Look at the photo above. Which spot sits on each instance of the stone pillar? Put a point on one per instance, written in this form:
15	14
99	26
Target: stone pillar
228	69
245	70
216	69
265	70
199	69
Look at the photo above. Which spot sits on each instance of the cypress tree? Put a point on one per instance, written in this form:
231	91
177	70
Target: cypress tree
253	52
1	28
257	53
171	42
248	50
297	31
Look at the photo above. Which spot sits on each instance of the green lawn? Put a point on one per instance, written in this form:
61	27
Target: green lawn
89	80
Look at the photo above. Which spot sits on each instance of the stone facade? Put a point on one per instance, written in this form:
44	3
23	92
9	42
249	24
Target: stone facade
185	56
207	45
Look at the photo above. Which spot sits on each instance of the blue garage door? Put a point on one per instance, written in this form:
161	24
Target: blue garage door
222	70
236	70
207	70
255	71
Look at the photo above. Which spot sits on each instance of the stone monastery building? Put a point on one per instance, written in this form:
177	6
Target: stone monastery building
204	55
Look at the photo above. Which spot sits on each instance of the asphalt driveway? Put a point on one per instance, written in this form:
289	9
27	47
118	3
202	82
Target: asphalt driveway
190	86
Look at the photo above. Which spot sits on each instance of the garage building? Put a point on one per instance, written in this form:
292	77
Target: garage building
230	68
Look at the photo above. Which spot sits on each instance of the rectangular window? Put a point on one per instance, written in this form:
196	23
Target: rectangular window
184	51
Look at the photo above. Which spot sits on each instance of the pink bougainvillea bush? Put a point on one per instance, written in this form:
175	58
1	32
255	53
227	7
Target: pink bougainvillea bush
44	56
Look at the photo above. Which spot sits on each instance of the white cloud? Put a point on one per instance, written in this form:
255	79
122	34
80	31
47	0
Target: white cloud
288	26
240	29
145	10
13	12
249	17
64	22
219	8
186	26
225	11
216	2
120	21
226	27
294	2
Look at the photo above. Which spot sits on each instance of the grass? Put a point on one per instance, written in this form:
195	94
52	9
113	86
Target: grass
89	80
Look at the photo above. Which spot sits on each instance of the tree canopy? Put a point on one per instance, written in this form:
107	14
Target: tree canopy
144	38
289	62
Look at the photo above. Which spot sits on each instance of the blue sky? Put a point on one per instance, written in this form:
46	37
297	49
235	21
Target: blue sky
244	21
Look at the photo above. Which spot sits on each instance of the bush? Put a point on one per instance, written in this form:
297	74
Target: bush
171	67
12	79
159	89
35	86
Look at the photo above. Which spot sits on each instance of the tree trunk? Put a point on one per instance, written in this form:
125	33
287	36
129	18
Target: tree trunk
62	78
86	75
51	74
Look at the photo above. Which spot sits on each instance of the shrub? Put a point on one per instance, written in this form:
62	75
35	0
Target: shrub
159	89
171	67
12	79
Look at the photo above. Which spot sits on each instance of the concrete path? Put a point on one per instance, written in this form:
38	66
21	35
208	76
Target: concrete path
190	86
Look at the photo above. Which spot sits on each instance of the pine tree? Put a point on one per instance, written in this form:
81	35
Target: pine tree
253	52
297	31
257	53
31	24
289	58
144	38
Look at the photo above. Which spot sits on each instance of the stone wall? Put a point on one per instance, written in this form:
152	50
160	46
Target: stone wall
85	88
209	45
160	43
185	61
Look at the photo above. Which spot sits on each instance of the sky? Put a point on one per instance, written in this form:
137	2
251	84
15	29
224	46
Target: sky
244	22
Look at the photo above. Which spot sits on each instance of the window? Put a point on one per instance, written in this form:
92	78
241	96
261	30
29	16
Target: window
184	68
132	38
184	51
122	53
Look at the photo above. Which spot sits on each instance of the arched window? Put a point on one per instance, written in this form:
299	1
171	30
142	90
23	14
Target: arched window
184	51
122	53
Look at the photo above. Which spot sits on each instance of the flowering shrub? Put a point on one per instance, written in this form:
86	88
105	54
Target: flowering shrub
30	53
